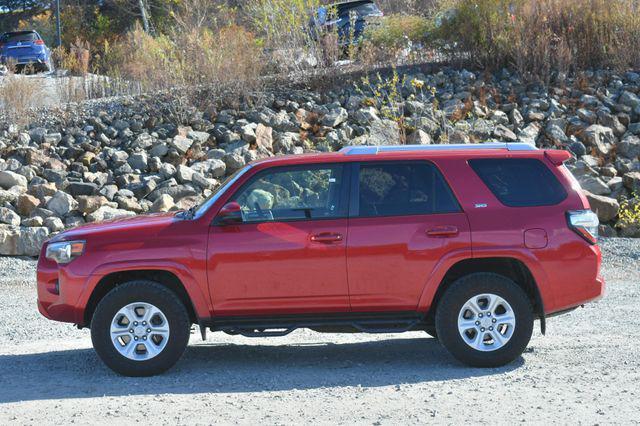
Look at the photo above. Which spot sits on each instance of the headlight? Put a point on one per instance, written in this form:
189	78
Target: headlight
64	252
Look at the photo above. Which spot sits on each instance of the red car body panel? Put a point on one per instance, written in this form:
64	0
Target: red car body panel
378	264
275	267
389	259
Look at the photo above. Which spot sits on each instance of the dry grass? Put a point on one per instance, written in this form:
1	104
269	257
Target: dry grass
17	95
228	56
541	37
282	27
75	59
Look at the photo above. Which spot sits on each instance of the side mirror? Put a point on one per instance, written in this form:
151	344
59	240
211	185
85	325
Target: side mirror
229	214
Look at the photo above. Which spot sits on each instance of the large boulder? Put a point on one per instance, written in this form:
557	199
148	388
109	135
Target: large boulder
108	213
234	161
632	181
264	137
606	208
61	203
21	240
419	137
184	174
81	188
27	204
215	168
163	203
594	185
629	99
7	196
384	132
53	224
181	144
91	203
599	137
9	217
556	134
10	179
138	161
629	147
335	117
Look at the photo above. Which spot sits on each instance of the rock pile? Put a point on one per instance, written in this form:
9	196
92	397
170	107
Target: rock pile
133	158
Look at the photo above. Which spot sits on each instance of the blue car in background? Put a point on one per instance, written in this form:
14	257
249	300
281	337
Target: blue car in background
26	50
348	19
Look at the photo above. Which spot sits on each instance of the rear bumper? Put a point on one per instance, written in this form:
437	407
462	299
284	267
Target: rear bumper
598	293
25	61
579	282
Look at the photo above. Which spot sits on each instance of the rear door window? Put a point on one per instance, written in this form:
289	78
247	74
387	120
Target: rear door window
403	188
520	182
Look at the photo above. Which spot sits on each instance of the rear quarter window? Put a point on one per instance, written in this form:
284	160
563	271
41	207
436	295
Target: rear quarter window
520	182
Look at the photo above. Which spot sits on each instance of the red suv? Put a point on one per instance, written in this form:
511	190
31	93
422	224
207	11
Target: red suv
470	243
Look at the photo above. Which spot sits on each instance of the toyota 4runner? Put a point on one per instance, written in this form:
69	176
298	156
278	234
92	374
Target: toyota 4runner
469	243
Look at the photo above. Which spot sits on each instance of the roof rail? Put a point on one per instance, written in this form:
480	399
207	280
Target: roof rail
372	149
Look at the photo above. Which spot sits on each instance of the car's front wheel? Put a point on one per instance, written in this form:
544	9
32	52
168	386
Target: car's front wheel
140	328
484	320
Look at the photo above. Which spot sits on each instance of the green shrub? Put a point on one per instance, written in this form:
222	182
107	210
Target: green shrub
629	214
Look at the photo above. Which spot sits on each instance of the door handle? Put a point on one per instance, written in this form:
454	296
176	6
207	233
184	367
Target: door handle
446	231
326	238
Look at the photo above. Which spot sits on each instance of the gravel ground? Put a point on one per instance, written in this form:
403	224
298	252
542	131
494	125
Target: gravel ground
584	371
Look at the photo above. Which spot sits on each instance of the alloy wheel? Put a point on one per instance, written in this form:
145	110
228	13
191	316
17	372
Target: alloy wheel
139	331
486	322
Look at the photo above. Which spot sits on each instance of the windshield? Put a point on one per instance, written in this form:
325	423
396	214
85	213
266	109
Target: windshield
211	199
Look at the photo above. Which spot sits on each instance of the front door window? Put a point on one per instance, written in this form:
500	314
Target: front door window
309	193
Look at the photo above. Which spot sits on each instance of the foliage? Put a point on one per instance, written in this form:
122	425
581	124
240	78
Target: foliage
396	39
386	93
540	37
43	24
228	56
75	59
408	7
283	28
278	20
629	213
393	31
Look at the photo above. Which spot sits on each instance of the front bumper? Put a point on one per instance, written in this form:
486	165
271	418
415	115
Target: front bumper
59	292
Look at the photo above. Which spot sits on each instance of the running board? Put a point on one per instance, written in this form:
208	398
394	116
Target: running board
272	326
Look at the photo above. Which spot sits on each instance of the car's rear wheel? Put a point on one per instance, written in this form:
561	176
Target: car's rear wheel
140	328
484	320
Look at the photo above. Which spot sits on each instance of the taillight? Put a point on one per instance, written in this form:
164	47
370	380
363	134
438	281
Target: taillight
39	42
584	223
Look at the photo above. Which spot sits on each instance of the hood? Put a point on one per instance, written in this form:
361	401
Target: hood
125	225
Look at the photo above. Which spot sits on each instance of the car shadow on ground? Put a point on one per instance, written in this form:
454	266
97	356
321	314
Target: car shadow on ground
227	368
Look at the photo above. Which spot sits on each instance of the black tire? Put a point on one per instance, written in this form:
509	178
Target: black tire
463	290
147	292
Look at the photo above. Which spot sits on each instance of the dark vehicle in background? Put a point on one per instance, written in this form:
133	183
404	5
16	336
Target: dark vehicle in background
348	20
26	50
